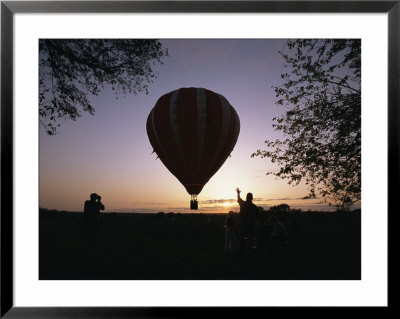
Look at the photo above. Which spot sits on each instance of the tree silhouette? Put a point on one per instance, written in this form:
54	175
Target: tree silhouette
322	126
281	208
70	69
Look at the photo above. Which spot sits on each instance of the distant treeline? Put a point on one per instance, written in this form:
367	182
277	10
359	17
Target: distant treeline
278	210
286	209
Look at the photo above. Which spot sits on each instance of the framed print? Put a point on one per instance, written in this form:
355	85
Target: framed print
191	157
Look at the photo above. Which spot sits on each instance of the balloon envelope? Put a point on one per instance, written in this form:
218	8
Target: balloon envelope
193	131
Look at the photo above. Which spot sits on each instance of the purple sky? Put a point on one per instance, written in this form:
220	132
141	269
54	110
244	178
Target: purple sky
109	153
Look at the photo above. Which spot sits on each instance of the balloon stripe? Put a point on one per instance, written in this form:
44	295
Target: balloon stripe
163	136
236	128
224	130
187	114
174	121
153	138
232	135
163	156
201	124
230	140
213	132
150	133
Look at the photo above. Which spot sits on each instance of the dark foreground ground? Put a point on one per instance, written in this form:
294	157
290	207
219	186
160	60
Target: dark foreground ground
322	246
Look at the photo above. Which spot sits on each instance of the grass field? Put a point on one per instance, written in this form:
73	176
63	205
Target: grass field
322	246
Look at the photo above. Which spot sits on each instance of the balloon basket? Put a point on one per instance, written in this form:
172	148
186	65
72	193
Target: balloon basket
194	205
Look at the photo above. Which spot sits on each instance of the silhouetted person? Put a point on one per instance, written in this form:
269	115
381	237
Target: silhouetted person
230	234
248	213
91	212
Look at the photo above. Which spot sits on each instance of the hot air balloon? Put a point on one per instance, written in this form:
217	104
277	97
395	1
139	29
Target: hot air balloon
193	131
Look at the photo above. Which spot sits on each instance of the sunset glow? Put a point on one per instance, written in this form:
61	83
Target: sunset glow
110	153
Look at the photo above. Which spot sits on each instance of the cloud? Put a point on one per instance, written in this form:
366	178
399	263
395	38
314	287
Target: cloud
223	201
307	197
131	210
275	199
217	201
290	198
219	207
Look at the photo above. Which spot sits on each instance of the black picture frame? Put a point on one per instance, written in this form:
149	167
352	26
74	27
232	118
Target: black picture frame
9	8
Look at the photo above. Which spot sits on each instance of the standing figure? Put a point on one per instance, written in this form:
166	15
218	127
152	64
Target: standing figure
279	237
248	213
230	234
92	212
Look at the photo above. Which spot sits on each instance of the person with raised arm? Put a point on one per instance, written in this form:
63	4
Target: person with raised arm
247	214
